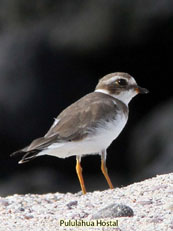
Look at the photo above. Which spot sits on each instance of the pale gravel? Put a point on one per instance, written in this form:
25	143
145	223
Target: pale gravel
151	201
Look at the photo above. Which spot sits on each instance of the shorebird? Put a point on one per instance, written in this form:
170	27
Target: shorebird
89	125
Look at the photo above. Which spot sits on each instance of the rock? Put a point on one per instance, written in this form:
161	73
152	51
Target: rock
71	204
113	211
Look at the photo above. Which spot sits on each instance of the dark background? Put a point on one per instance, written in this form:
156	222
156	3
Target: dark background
51	54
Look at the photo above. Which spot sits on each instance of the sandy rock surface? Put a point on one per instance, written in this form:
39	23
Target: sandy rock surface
151	201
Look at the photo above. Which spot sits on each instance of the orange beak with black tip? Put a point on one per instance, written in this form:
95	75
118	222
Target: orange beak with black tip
141	90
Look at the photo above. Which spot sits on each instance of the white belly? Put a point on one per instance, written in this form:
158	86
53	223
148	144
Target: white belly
93	144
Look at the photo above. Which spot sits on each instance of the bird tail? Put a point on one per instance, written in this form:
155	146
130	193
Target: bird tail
28	155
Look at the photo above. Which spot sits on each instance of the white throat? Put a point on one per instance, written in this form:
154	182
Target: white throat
125	97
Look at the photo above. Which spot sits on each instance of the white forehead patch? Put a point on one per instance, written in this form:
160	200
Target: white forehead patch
132	81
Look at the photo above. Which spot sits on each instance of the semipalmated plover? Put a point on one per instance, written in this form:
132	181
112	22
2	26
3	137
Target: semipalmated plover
89	125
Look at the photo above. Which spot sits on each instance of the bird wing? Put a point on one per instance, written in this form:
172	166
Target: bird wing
78	120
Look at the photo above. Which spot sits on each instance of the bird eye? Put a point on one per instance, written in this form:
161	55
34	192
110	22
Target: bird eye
121	82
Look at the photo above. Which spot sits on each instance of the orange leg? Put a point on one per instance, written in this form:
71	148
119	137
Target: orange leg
79	174
104	169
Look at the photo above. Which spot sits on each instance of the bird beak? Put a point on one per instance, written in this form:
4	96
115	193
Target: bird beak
141	90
